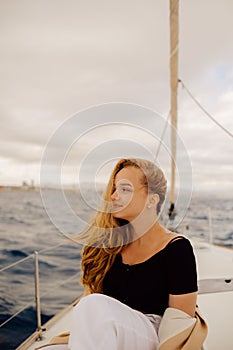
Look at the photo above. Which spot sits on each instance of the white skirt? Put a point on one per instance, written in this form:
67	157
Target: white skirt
100	322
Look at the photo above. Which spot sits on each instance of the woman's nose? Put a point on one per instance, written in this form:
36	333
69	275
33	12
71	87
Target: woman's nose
114	195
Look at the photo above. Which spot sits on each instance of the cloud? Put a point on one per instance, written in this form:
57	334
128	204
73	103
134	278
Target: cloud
60	57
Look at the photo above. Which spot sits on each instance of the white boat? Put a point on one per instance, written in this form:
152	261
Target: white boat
215	299
215	265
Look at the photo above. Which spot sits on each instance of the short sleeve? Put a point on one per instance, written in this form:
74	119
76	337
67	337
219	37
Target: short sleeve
182	272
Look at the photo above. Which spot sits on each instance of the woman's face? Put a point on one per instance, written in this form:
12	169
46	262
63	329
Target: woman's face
130	195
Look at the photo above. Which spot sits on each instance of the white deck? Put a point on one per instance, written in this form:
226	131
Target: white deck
214	263
57	325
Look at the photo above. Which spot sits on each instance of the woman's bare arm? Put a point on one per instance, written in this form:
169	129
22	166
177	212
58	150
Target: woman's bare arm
184	302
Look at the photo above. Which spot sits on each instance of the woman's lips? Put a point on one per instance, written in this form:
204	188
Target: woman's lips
117	206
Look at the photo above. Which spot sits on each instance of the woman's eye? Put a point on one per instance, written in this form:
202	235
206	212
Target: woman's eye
125	189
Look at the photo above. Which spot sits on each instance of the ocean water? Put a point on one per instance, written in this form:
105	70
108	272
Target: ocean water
26	227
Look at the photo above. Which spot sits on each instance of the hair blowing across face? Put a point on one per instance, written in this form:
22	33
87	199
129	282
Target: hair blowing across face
106	236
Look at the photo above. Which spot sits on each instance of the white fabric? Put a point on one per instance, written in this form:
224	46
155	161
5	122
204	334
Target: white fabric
102	323
54	347
174	321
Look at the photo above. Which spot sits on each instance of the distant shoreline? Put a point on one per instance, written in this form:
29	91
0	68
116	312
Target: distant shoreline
38	188
87	187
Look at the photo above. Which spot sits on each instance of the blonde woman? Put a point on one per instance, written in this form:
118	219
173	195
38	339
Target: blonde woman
133	267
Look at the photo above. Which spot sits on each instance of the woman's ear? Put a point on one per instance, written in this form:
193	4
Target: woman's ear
154	199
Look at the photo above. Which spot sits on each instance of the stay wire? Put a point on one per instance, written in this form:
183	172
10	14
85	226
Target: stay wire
204	110
162	137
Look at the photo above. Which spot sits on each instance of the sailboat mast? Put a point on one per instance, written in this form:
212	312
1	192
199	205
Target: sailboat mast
174	46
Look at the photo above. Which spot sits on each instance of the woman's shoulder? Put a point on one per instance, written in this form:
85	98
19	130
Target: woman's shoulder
179	248
178	240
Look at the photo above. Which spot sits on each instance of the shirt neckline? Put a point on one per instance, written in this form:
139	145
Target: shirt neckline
151	257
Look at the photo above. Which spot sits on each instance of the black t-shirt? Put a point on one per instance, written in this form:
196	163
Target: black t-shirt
146	286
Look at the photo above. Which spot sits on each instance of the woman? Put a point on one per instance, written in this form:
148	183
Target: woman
133	267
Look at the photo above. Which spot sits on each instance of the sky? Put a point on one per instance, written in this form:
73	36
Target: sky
60	58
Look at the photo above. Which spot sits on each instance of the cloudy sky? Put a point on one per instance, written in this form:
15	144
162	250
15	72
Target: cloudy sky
59	57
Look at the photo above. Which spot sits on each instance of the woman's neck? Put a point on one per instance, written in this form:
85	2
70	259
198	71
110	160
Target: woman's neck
147	245
155	233
145	225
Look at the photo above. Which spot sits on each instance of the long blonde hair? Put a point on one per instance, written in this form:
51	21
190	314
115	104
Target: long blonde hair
107	235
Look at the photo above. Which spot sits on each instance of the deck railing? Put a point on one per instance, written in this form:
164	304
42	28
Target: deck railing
36	301
37	295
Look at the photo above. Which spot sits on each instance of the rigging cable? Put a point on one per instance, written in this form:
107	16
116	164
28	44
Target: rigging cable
162	137
204	110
